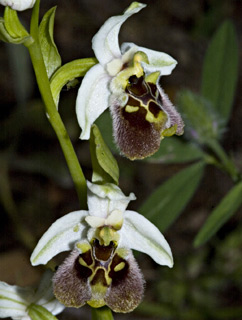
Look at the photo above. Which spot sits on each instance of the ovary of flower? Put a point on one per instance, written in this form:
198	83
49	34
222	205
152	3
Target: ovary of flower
105	85
18	5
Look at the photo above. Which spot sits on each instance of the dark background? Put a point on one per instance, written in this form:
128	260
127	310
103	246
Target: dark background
35	185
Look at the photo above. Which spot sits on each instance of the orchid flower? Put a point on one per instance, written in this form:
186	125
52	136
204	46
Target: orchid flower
126	79
16	302
18	5
101	269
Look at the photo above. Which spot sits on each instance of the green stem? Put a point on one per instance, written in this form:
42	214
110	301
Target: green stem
51	110
103	313
226	162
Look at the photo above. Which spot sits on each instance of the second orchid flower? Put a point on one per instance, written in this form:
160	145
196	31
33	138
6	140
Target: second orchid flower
126	79
101	269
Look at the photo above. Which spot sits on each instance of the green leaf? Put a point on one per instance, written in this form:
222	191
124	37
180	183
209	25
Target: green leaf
105	167
226	208
176	150
37	312
220	69
49	50
67	73
168	201
103	313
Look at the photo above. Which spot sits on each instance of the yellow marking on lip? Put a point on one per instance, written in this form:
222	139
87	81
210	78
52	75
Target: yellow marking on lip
82	262
169	131
83	247
131	109
119	267
152	119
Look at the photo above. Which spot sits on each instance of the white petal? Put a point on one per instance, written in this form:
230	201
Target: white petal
18	5
45	297
92	98
13	300
140	234
103	199
61	236
115	219
158	61
105	43
95	222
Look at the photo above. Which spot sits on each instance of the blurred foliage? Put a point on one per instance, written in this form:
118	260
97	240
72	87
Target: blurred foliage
201	285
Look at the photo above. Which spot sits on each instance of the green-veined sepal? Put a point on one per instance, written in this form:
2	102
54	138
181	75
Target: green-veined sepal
60	237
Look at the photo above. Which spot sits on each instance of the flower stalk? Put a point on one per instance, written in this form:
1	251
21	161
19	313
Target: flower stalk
51	110
103	313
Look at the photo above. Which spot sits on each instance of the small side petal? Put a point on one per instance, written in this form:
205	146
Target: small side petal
13	300
60	237
158	61
92	98
140	234
105	43
103	199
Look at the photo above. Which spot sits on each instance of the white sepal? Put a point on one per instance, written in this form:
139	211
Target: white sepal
158	61
13	300
61	236
103	199
105	43
140	234
18	5
92	98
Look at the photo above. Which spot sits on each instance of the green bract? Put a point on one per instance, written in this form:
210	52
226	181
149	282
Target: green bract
49	50
11	29
104	165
